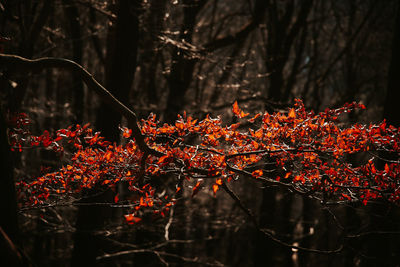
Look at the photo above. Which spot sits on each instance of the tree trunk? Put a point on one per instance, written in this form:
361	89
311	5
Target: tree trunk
8	203
74	31
391	109
182	65
385	249
120	64
120	70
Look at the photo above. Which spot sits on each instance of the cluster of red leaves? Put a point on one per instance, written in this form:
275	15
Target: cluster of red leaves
20	136
305	152
309	152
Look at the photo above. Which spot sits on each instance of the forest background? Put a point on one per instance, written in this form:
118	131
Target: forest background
200	56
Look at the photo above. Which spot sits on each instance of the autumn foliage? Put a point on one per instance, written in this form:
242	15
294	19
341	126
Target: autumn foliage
307	153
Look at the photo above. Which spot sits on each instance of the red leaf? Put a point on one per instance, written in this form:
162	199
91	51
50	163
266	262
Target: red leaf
387	169
254	118
373	169
346	196
196	188
257	173
292	113
237	111
127	133
259	133
215	188
131	219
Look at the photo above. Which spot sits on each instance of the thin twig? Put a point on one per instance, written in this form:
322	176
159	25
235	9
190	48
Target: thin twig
271	236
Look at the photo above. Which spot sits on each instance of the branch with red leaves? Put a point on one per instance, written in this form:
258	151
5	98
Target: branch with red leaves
304	152
298	150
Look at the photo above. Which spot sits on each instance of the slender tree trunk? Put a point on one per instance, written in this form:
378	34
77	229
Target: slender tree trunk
265	247
150	57
182	65
74	31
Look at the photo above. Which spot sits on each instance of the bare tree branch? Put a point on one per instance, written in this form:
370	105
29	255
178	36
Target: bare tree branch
259	13
22	64
272	236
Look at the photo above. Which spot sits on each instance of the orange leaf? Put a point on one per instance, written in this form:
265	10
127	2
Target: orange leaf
258	133
237	111
131	219
196	188
373	169
180	125
257	173
292	113
127	133
346	196
215	188
299	178
255	144
108	155
164	160
387	169
254	118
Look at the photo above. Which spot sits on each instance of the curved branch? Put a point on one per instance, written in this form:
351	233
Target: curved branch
270	235
23	64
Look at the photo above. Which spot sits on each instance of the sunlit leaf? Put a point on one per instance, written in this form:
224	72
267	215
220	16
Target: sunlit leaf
238	112
292	113
257	173
196	188
131	219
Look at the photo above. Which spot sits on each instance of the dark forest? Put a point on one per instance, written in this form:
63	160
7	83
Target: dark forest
199	133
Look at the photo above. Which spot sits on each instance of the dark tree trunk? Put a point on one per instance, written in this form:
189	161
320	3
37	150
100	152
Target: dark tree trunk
385	249
151	54
74	31
88	243
31	27
391	110
120	64
120	69
8	203
182	63
265	247
282	33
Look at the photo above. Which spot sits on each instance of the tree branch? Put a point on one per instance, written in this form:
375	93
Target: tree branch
22	64
258	16
268	234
